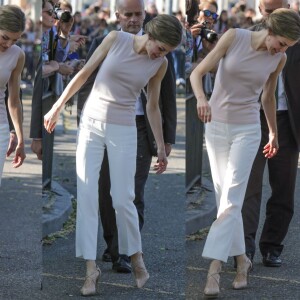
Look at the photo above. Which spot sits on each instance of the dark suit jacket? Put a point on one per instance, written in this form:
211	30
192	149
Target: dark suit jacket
10	122
167	99
36	123
291	75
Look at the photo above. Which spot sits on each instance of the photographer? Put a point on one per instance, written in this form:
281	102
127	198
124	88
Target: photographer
55	48
201	38
60	42
205	40
192	13
64	14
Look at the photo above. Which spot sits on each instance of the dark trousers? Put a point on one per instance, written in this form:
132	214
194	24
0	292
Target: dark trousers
282	178
107	212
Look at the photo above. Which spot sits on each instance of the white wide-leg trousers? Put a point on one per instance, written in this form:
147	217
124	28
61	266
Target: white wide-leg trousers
121	144
4	140
231	149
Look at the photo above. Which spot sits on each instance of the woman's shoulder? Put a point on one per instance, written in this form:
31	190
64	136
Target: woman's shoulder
240	32
119	36
20	51
112	34
13	57
237	35
117	33
15	51
125	35
236	31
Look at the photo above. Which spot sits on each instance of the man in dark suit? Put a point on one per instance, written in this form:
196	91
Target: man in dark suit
282	168
131	14
36	123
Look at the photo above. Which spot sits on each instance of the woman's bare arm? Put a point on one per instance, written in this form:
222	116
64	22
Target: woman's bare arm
207	65
15	109
269	105
79	79
154	114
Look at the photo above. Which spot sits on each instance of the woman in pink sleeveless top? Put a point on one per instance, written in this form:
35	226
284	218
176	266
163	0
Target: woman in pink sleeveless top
12	58
128	63
249	62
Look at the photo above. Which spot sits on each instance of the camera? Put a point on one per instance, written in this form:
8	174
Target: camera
74	63
208	34
63	15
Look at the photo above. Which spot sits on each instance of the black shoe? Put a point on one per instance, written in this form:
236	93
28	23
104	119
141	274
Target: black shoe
250	255
271	260
122	265
106	256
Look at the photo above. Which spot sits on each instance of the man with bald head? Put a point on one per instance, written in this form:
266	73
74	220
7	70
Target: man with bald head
266	7
130	15
282	168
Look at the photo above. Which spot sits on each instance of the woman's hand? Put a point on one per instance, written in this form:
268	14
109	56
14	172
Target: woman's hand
204	111
51	118
19	156
271	148
162	162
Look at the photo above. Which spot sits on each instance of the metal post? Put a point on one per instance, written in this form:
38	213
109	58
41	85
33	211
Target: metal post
48	100
194	144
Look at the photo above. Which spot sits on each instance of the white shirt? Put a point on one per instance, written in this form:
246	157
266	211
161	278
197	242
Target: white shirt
281	94
139	110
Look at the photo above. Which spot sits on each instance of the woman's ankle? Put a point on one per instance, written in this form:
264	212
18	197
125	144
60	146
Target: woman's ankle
242	259
215	266
136	256
91	266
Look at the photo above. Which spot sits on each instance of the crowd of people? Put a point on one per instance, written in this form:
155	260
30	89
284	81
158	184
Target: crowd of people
243	72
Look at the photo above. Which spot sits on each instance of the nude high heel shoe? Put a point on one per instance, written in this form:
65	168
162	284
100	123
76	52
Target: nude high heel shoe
139	270
212	287
89	287
242	275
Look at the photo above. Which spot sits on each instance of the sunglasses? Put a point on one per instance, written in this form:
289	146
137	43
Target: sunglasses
208	13
49	12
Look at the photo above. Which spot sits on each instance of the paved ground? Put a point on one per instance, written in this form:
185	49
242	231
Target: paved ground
265	283
20	224
163	233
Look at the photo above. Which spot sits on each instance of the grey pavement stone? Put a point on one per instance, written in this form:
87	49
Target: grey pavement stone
200	215
56	214
201	207
20	224
57	202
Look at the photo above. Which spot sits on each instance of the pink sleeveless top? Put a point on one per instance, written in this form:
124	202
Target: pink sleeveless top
119	81
8	62
241	76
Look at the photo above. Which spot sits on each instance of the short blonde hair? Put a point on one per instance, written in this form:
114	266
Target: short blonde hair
12	18
284	22
166	29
